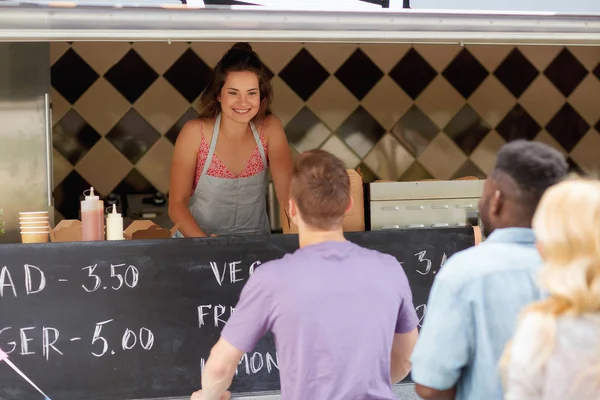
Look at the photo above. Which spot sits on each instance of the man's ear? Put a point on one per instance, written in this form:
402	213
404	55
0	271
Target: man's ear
496	202
350	204
293	208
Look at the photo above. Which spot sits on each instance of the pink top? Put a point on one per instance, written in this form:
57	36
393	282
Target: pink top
218	169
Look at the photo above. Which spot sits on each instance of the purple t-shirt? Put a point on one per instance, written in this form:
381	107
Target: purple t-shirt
333	309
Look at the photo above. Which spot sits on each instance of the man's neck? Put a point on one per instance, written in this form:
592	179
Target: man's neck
515	223
309	237
488	231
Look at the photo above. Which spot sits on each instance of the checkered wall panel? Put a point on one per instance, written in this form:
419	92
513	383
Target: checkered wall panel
400	112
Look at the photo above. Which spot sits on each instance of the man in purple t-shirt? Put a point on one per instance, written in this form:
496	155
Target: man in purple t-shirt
342	315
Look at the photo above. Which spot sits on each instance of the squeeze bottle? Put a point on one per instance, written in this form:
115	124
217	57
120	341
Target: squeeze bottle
114	225
92	217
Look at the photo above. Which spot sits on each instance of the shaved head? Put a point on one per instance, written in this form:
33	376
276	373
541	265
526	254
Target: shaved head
523	172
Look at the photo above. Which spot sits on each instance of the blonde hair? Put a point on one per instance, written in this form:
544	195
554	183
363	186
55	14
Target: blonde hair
567	229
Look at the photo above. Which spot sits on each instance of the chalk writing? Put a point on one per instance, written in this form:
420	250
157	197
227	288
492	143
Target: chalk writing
6	281
253	266
253	363
444	258
22	340
97	337
49	338
421	311
234	271
128	341
46	344
29	279
427	268
35	280
427	262
129	278
215	313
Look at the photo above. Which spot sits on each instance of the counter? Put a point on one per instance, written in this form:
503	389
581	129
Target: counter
405	391
136	319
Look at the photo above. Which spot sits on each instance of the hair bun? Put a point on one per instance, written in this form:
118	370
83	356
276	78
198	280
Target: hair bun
244	46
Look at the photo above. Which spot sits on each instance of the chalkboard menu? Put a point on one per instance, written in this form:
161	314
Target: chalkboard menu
137	319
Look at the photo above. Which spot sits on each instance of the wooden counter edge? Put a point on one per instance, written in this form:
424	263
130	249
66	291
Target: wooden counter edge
477	233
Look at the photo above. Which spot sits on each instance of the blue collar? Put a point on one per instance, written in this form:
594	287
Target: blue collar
512	235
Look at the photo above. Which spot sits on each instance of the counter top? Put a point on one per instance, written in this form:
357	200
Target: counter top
403	391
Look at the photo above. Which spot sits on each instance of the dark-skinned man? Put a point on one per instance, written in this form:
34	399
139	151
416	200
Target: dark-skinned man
477	296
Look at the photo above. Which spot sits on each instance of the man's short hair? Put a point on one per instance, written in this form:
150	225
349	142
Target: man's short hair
533	166
320	187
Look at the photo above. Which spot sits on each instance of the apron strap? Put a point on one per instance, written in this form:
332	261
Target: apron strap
261	149
213	144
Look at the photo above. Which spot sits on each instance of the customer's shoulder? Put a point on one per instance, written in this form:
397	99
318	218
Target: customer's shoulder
469	256
268	269
353	253
373	255
494	253
489	258
296	258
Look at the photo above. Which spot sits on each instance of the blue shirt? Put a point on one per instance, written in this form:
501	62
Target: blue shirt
472	312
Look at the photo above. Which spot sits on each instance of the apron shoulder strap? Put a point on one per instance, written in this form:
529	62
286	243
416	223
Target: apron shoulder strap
261	149
213	144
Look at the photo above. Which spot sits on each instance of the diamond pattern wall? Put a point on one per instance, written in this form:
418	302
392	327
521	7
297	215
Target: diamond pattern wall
397	112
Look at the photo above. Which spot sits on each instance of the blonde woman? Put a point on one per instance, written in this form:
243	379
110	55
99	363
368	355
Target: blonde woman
555	353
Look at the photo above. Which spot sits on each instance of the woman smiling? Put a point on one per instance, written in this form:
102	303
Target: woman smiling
221	162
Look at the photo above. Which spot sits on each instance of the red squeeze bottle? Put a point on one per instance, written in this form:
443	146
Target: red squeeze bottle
92	217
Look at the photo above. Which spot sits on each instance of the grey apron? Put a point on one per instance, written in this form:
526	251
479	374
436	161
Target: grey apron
231	206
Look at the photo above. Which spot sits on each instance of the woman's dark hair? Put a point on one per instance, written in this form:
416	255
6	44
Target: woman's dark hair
240	57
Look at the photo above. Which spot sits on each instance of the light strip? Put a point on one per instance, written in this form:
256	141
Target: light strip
313	5
430	37
195	3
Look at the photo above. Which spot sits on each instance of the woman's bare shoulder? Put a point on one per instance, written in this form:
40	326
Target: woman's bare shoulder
189	132
271	120
192	131
272	125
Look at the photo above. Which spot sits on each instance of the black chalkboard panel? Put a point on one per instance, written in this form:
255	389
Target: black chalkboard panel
136	319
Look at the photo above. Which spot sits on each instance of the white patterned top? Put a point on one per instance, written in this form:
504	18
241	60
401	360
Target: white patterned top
571	372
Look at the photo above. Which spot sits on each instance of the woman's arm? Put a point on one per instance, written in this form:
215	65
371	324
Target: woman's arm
183	170
280	159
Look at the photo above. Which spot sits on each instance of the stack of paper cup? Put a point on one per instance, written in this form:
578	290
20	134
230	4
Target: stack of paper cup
35	226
